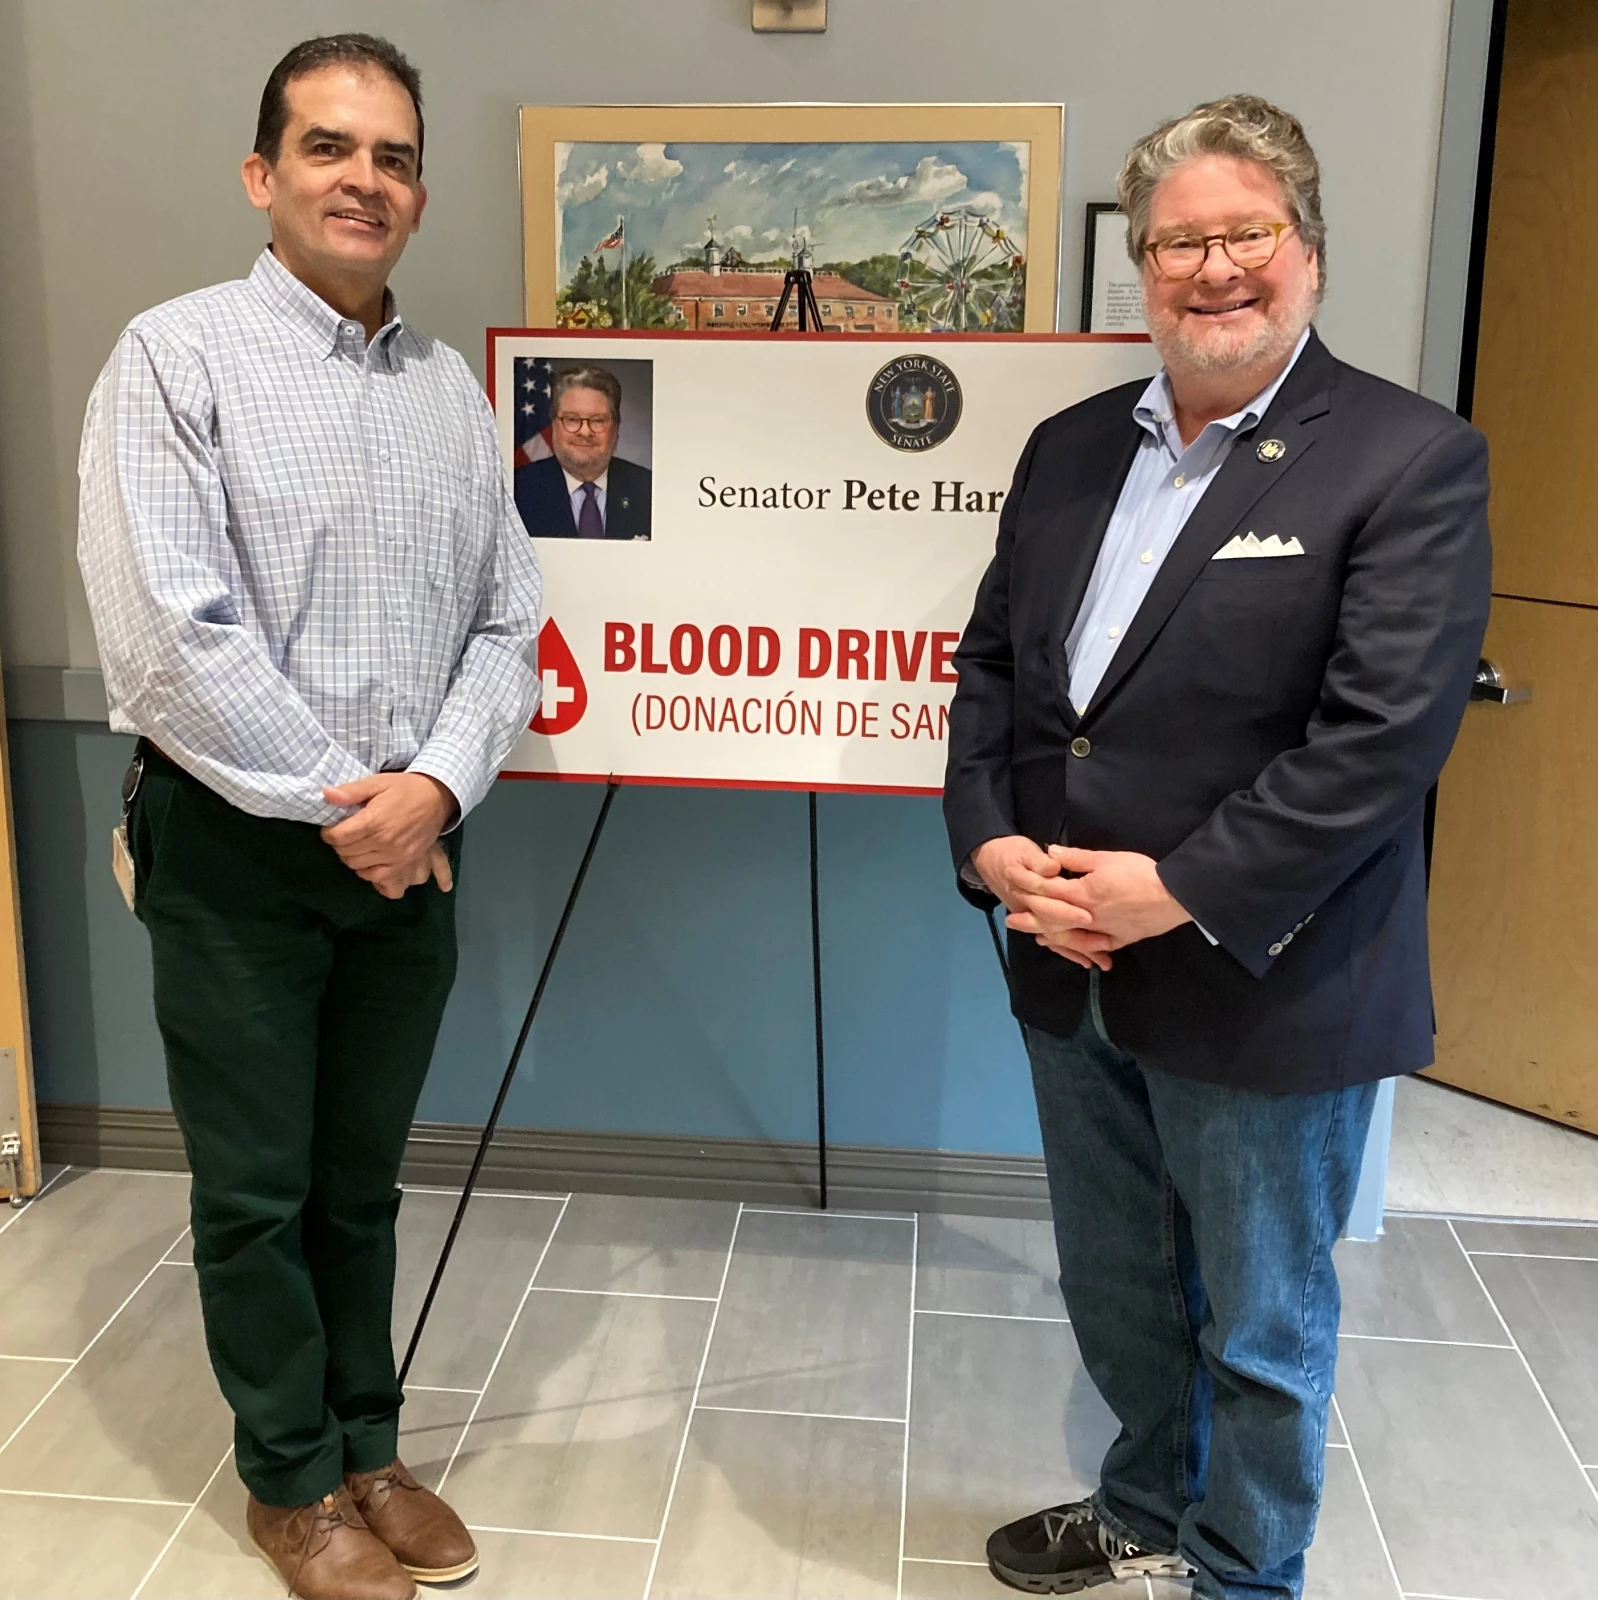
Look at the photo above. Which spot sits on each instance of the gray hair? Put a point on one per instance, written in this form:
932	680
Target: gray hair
587	377
1243	126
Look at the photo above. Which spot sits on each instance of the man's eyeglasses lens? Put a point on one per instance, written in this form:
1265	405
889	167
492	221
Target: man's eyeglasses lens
582	424
1251	246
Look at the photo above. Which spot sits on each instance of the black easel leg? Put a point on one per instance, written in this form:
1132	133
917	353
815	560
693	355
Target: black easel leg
815	982
505	1083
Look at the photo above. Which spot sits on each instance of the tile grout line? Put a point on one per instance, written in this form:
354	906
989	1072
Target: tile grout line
1536	1382
817	1416
98	1499
516	1317
831	1216
44	1398
1453	1344
990	1316
1370	1504
487	1194
550	1533
909	1392
44	1189
1494	1219
1527	1255
1418	1594
624	1294
183	1522
693	1404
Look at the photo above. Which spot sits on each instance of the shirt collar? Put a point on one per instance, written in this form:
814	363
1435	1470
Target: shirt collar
601	483
309	315
1155	410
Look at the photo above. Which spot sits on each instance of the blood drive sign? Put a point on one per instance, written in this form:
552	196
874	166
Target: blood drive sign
767	582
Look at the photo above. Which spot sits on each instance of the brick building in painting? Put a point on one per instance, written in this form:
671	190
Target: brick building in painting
715	297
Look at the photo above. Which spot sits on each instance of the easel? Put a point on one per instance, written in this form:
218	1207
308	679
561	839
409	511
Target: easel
799	281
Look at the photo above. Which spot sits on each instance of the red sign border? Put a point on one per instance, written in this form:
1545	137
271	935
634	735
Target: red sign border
494	335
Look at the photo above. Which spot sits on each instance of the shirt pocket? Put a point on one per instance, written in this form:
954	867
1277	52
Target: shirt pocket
455	536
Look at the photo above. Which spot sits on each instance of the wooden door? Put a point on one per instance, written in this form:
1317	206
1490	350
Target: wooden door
19	1131
1515	861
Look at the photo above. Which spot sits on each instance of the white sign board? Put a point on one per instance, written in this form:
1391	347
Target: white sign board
791	534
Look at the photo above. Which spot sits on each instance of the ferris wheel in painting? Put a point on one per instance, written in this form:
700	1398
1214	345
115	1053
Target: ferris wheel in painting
960	272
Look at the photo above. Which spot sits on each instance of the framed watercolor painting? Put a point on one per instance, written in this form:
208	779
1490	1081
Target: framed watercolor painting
914	218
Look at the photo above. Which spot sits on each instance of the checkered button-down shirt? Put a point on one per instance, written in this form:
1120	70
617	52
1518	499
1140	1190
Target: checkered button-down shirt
301	551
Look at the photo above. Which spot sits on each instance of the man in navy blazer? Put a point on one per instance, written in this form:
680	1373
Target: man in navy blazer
585	490
1216	664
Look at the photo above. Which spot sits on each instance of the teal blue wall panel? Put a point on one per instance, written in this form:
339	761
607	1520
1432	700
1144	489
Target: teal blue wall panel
681	1003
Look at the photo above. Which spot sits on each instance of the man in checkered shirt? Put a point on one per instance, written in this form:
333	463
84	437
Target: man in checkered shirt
316	604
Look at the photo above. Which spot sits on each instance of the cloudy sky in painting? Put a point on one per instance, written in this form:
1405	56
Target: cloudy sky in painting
855	200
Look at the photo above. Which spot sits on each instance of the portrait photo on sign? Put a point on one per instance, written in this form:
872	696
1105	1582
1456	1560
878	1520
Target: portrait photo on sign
686	219
584	446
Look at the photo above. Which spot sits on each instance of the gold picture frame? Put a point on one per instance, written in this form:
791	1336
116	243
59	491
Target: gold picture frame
940	218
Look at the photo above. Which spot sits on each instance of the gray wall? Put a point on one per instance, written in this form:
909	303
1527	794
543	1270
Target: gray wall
122	127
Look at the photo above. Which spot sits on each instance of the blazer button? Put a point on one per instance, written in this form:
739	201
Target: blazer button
1275	950
1081	747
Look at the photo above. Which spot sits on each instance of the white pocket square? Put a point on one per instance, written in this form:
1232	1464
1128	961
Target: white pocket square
1246	547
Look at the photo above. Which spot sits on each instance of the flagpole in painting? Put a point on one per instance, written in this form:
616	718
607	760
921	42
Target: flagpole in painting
617	240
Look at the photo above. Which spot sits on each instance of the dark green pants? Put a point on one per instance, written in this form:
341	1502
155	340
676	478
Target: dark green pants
299	1009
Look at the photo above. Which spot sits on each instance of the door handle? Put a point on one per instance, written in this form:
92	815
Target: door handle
1489	685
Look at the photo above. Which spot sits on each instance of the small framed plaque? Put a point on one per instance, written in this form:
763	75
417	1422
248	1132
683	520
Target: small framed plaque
1112	291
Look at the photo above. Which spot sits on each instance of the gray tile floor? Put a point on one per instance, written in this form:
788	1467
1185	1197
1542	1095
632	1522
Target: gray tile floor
632	1397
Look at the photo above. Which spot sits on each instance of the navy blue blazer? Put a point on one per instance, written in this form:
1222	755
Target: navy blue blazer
1267	731
546	507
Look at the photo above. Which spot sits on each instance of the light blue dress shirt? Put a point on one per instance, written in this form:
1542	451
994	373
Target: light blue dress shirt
1165	484
302	555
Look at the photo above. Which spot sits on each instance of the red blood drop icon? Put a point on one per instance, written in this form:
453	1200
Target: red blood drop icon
565	694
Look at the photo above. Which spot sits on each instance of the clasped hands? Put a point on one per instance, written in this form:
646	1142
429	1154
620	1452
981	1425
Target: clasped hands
1117	900
392	840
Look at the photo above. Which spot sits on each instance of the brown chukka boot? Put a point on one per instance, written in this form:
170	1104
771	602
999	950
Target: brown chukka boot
427	1538
324	1551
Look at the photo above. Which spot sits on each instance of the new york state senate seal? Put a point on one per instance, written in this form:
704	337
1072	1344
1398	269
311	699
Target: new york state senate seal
914	403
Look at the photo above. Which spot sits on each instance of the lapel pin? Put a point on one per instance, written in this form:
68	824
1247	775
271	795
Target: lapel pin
1271	450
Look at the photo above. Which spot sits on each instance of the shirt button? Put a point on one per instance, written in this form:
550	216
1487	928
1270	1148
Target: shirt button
382	455
1115	633
1081	747
1180	482
1148	556
1275	950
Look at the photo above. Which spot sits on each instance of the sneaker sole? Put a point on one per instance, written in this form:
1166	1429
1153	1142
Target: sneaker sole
1075	1583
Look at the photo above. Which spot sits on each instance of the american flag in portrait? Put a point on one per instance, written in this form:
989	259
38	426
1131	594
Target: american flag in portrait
533	419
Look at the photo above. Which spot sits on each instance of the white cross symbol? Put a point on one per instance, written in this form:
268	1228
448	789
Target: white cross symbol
556	694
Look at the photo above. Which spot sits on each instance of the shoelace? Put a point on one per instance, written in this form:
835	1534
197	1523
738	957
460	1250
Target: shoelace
327	1515
386	1481
1056	1522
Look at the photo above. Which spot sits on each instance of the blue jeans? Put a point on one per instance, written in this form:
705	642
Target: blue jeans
1195	1226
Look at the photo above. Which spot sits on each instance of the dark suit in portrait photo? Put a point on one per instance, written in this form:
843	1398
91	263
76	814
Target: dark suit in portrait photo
584	490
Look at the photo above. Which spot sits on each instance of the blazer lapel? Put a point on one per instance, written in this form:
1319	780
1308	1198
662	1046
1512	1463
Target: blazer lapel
1078	530
1242	479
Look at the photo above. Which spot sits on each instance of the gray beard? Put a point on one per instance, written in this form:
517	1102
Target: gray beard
1274	342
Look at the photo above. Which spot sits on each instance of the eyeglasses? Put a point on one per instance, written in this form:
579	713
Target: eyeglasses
1251	245
594	425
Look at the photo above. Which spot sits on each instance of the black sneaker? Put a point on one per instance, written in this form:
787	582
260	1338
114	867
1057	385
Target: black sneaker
1067	1548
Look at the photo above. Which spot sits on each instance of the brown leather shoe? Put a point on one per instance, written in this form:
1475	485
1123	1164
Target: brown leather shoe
427	1538
324	1551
